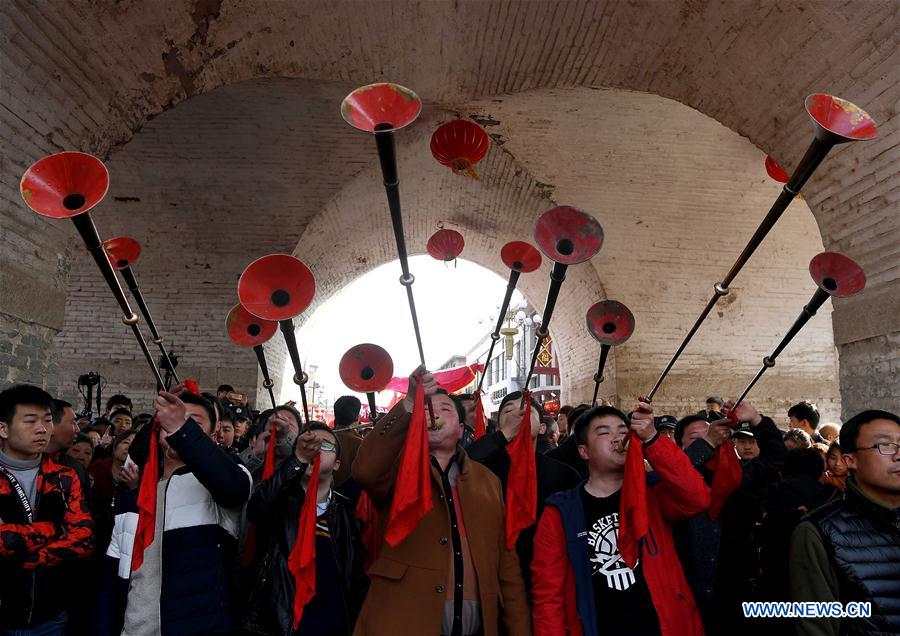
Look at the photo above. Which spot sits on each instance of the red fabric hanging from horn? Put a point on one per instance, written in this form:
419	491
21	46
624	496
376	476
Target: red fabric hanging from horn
727	476
459	145
412	490
302	559
521	485
634	519
268	470
480	428
146	526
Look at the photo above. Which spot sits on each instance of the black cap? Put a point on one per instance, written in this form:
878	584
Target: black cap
665	421
742	430
239	411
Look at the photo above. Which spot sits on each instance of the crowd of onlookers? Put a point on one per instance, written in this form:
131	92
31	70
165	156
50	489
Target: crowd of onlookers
519	530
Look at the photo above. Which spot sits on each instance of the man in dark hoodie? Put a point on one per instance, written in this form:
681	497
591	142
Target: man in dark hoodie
552	476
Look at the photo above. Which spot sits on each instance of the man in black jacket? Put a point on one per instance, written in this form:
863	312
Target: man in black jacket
849	550
340	580
184	584
552	476
716	553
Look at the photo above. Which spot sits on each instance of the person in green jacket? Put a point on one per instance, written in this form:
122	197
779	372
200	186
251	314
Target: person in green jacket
849	549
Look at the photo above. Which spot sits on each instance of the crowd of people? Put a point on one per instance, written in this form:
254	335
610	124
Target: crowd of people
189	520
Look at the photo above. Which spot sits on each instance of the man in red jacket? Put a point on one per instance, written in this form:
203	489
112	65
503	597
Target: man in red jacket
583	580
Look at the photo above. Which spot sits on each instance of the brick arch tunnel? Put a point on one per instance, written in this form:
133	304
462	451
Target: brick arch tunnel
211	170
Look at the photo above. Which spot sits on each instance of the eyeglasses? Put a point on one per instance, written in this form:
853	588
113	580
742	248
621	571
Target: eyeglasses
884	448
328	447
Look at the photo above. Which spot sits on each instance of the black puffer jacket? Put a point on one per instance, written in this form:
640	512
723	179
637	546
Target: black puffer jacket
275	510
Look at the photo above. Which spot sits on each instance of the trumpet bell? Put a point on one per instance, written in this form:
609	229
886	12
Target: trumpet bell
775	171
838	275
65	184
610	322
276	287
246	330
840	120
366	368
381	107
520	256
122	251
445	245
568	236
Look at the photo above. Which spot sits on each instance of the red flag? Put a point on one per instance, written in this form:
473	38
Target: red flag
268	471
521	485
412	490
634	520
727	476
302	560
269	464
146	526
480	428
368	517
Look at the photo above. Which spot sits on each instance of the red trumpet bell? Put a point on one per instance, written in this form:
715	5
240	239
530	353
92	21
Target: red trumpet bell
521	256
775	171
840	117
568	236
459	145
836	274
381	107
122	251
65	184
276	287
610	322
445	245
366	368
246	330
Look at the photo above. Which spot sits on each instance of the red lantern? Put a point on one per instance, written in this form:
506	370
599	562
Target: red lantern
459	145
445	245
776	171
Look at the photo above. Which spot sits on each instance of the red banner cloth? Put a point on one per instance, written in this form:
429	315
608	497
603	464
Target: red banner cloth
302	559
634	520
412	490
521	485
146	526
451	380
727	476
480	428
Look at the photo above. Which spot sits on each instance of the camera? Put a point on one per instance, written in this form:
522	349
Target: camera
89	379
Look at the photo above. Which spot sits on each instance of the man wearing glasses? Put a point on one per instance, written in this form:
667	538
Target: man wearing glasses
849	550
340	578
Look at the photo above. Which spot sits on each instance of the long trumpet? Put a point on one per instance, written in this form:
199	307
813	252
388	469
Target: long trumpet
382	109
836	121
567	237
366	368
610	323
519	257
123	252
68	185
836	276
279	287
246	330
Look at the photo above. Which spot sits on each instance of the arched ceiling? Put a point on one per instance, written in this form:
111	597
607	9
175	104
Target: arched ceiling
88	75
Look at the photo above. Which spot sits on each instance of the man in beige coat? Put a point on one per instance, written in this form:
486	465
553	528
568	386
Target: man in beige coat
453	576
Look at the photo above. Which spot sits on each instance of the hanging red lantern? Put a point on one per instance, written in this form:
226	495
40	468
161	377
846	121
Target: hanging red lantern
446	245
459	145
